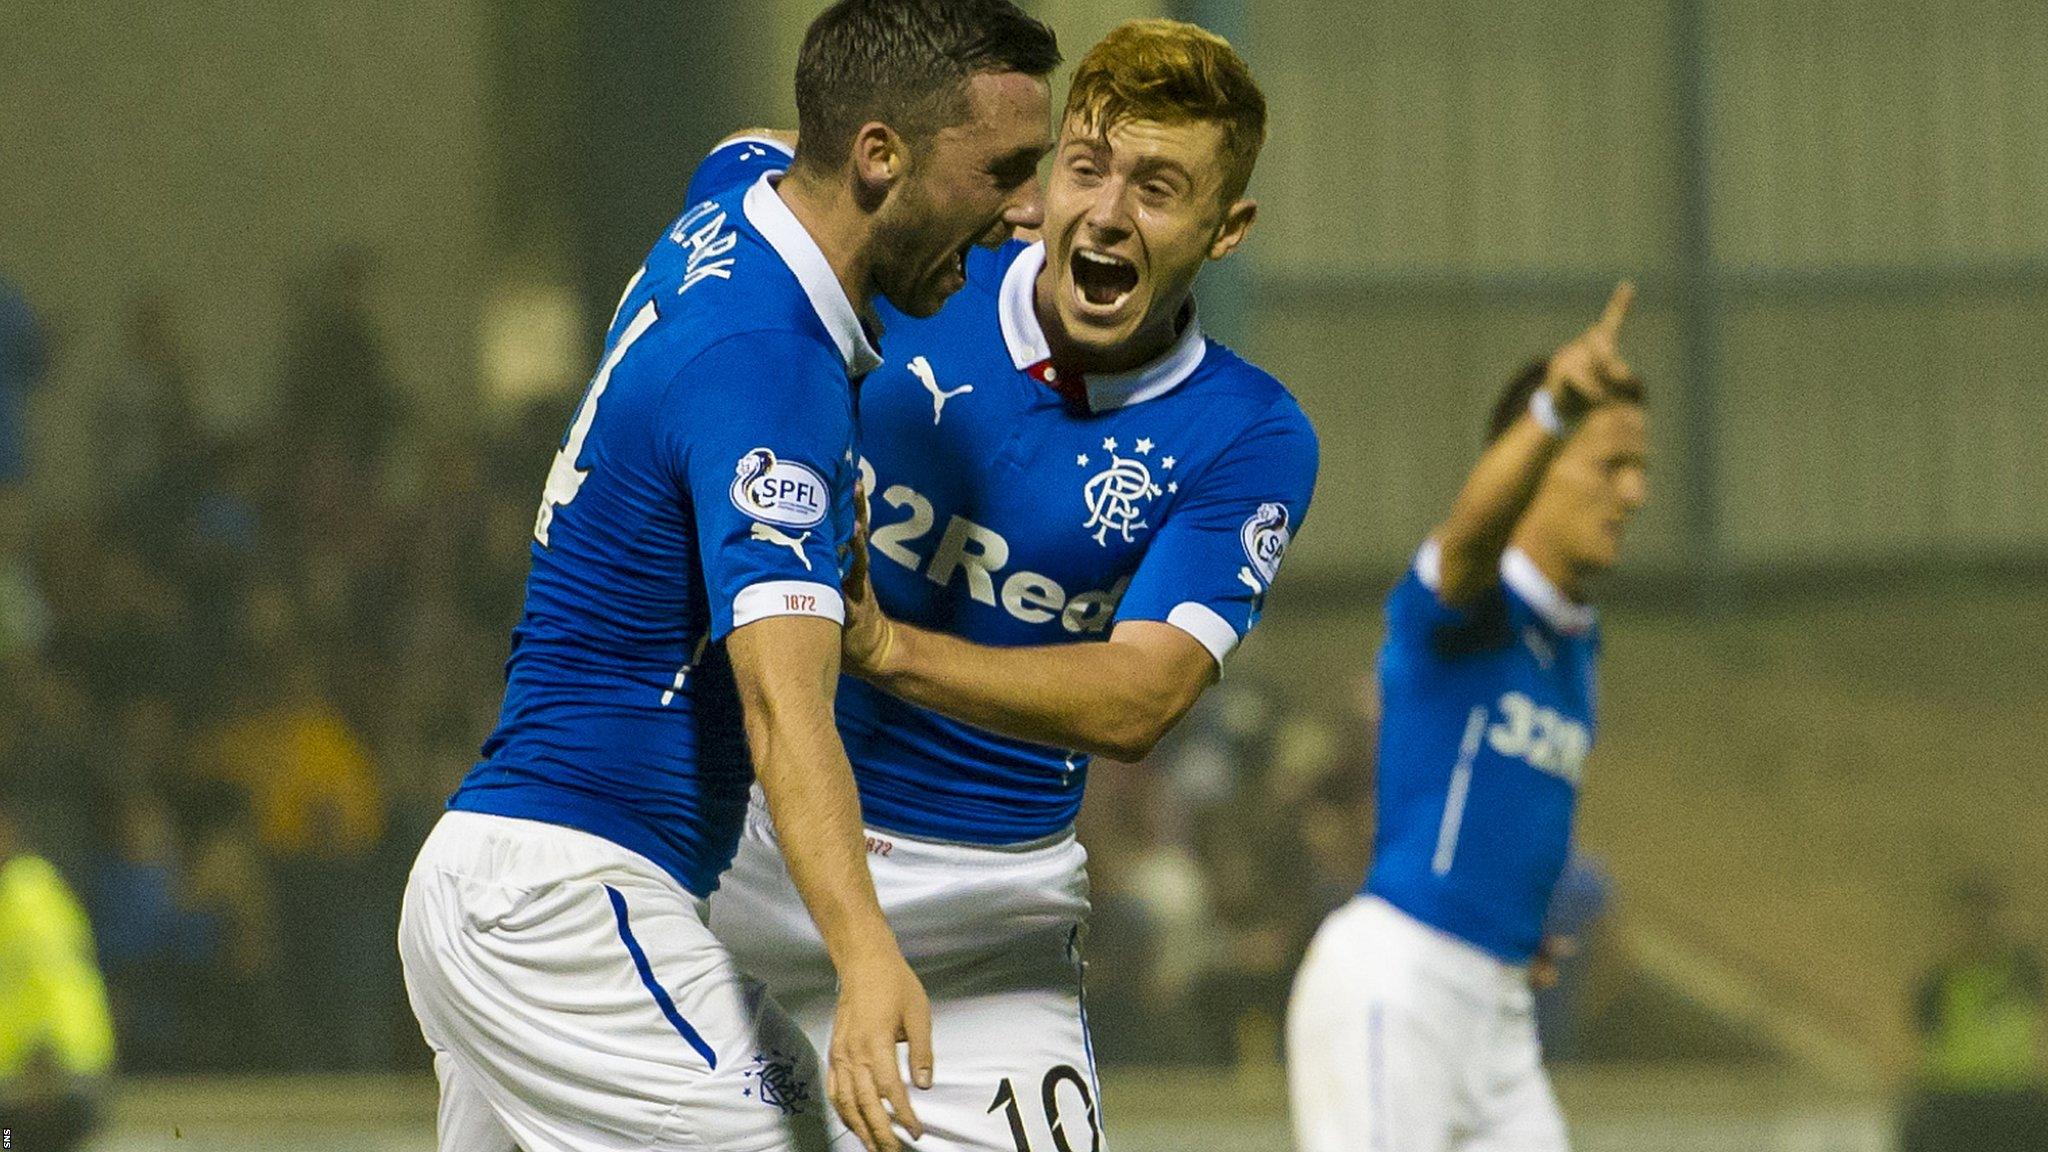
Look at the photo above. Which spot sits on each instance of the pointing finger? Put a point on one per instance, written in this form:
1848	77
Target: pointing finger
1617	308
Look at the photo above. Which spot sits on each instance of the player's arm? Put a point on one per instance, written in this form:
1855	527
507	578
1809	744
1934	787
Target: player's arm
1197	592
786	668
1587	371
766	474
1114	699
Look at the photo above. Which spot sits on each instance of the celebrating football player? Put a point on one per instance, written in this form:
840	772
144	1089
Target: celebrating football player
1078	504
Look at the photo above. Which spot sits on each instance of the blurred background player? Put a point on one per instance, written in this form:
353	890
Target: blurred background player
56	1033
684	583
1412	1024
1080	504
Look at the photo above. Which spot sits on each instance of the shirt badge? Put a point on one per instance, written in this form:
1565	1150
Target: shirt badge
1118	496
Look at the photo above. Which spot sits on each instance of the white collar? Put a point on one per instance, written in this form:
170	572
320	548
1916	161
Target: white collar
1017	307
1558	610
787	235
1528	581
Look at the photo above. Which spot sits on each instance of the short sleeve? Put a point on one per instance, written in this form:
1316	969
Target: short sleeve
1208	570
1417	616
761	427
740	160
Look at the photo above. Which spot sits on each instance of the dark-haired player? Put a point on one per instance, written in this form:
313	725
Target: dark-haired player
684	611
1411	1025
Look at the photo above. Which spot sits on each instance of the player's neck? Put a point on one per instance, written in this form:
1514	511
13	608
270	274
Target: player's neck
1147	344
1565	576
837	226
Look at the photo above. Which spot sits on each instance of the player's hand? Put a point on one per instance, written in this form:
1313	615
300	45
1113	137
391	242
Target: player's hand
881	1003
1544	968
1589	370
869	634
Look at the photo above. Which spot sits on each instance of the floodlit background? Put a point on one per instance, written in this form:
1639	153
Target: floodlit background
317	286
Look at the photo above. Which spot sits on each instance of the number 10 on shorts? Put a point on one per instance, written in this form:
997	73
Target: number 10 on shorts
1049	1098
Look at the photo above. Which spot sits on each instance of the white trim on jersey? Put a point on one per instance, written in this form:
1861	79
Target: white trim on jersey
787	598
1549	601
1206	626
786	234
768	142
1017	309
1521	574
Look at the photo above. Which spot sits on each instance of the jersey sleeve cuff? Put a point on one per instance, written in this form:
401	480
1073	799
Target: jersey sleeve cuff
1429	564
1208	628
787	598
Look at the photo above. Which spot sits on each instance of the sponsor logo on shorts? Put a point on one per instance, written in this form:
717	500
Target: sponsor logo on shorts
880	847
774	1081
781	492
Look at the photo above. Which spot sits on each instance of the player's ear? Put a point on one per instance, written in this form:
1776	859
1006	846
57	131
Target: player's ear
880	158
1237	223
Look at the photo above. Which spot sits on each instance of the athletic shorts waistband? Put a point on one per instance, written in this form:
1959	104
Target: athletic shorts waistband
899	847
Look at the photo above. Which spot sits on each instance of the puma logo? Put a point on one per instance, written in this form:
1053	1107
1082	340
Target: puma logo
768	534
922	369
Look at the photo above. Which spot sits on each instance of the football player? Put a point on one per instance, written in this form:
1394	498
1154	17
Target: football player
683	611
1079	502
1412	1024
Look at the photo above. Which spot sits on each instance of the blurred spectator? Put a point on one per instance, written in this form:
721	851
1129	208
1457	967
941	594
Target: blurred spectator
1982	1014
154	455
338	391
150	945
25	618
319	814
48	747
1237	1004
24	361
228	885
1577	938
56	1036
1127	916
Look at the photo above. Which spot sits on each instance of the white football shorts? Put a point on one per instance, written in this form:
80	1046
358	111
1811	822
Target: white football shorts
995	934
576	1001
1401	1038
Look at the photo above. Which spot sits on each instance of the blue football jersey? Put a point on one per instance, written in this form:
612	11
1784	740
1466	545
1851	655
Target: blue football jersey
1009	514
1486	718
705	482
1006	513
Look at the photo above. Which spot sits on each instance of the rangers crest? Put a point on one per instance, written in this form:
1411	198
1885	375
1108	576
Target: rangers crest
1117	495
1265	537
780	492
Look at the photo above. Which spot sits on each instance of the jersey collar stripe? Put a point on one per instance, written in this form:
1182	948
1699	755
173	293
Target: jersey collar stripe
784	233
1521	574
1546	598
1017	309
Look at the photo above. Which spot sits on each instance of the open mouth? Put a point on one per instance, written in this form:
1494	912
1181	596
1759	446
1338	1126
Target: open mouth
1102	280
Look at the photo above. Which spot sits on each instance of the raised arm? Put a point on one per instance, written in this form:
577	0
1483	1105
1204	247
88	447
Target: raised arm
1587	371
786	668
